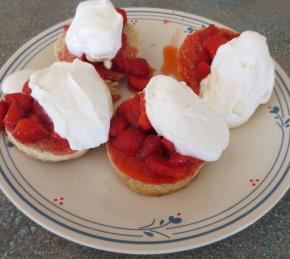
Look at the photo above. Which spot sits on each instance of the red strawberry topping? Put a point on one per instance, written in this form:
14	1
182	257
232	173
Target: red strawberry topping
212	43
58	144
24	101
159	165
143	119
118	125
137	83
27	121
168	145
129	141
3	110
178	159
137	150
130	111
139	67
42	115
199	49
28	131
203	70
152	145
121	62
26	89
125	63
107	74
14	114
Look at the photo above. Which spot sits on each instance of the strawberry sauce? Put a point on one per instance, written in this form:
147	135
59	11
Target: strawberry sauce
169	66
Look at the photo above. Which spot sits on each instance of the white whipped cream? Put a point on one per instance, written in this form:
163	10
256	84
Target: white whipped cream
77	101
179	115
96	30
241	78
15	82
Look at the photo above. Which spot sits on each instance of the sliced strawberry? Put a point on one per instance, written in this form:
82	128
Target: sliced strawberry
24	100
129	141
139	67
178	159
42	115
203	70
28	131
209	31
137	83
212	43
229	35
121	62
129	52
57	143
26	90
124	15
143	119
152	145
168	145
14	114
3	110
199	47
118	125
159	165
33	118
107	74
130	110
202	56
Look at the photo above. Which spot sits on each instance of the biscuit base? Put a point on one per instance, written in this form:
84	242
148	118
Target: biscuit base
33	151
154	189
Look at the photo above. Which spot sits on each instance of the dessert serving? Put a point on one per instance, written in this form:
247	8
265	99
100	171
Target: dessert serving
160	138
232	72
56	113
241	78
157	141
100	34
196	53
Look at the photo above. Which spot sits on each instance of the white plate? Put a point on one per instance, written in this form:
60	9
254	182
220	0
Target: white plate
85	201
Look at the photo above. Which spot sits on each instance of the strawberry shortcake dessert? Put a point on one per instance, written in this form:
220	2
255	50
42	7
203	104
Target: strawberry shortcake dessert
161	137
196	53
56	113
100	34
232	72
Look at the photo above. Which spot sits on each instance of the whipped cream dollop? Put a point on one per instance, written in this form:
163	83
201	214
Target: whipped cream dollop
15	82
77	101
96	30
179	115
241	78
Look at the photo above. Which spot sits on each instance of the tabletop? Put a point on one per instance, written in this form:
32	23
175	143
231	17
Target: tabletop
269	237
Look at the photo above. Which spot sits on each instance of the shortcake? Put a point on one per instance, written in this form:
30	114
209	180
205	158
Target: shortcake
101	35
196	53
232	72
59	113
161	137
